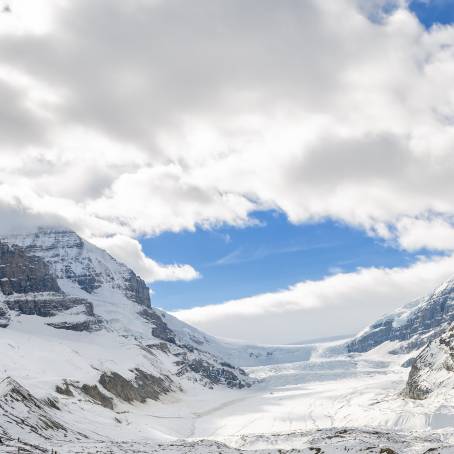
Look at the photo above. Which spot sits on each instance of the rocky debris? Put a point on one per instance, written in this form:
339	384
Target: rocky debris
144	386
214	374
415	326
160	329
94	393
22	273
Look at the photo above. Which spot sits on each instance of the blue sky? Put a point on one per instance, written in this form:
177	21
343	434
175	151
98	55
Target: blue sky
431	12
239	262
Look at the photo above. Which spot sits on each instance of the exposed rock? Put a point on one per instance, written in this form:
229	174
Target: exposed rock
22	273
48	305
160	329
65	390
193	360
89	325
52	403
98	396
5	317
433	368
145	386
137	290
161	346
214	374
29	288
415	387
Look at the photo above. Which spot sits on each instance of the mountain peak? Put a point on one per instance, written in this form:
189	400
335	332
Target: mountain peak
74	260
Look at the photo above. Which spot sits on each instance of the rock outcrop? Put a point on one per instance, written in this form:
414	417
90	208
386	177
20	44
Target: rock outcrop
433	368
97	395
144	386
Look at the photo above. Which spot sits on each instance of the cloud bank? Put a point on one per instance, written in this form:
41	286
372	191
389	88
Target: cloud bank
127	119
135	118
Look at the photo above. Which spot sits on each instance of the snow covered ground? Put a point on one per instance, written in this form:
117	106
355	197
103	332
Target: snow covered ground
334	401
328	393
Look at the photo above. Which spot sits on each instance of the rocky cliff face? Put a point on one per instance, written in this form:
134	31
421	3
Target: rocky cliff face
413	326
23	273
27	287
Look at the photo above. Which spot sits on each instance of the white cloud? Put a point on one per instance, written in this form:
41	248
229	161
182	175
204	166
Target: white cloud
129	251
429	233
123	119
121	132
339	304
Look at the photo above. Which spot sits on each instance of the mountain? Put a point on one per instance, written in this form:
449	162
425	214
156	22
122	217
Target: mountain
424	327
411	327
80	341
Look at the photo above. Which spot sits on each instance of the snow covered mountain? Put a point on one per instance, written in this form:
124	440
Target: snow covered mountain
79	337
411	327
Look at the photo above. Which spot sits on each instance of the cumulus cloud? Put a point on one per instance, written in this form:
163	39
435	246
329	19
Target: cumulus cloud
340	304
129	251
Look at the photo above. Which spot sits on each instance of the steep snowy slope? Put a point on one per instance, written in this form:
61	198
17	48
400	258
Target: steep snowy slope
412	326
80	337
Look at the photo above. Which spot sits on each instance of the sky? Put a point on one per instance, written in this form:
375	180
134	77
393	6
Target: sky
275	171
